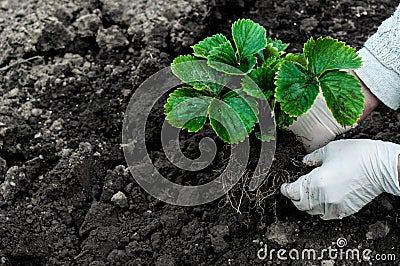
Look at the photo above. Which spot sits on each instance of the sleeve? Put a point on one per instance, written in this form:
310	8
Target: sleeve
381	62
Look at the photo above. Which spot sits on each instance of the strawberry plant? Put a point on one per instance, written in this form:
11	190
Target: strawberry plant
289	82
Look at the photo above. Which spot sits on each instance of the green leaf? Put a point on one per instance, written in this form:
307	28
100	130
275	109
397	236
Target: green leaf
203	48
296	90
278	44
245	107
198	74
233	117
271	52
249	37
224	53
244	68
260	56
282	119
187	108
259	83
225	68
274	49
273	63
330	54
296	58
309	48
247	64
343	96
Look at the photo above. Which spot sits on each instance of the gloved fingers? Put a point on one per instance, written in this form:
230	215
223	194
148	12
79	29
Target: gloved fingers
291	191
343	208
315	158
317	210
335	212
298	192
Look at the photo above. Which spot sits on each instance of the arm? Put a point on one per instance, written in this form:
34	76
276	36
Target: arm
381	54
381	62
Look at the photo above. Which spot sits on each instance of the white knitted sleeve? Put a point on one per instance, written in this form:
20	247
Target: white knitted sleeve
381	62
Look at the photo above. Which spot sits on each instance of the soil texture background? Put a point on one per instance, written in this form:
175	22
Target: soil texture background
67	72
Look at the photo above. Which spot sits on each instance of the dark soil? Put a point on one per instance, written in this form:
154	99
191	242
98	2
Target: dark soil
67	71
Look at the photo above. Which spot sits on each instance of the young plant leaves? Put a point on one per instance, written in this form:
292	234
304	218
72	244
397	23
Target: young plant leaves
282	119
187	108
224	53
203	48
296	89
270	52
296	58
301	78
330	54
288	82
343	96
223	58
274	49
233	117
249	37
259	83
198	74
278	45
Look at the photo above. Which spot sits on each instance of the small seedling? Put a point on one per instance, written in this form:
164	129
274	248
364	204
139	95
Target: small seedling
289	82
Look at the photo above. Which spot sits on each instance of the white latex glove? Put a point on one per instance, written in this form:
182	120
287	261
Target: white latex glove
317	127
353	172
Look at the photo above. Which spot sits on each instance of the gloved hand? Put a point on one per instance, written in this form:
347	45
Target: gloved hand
318	127
353	172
